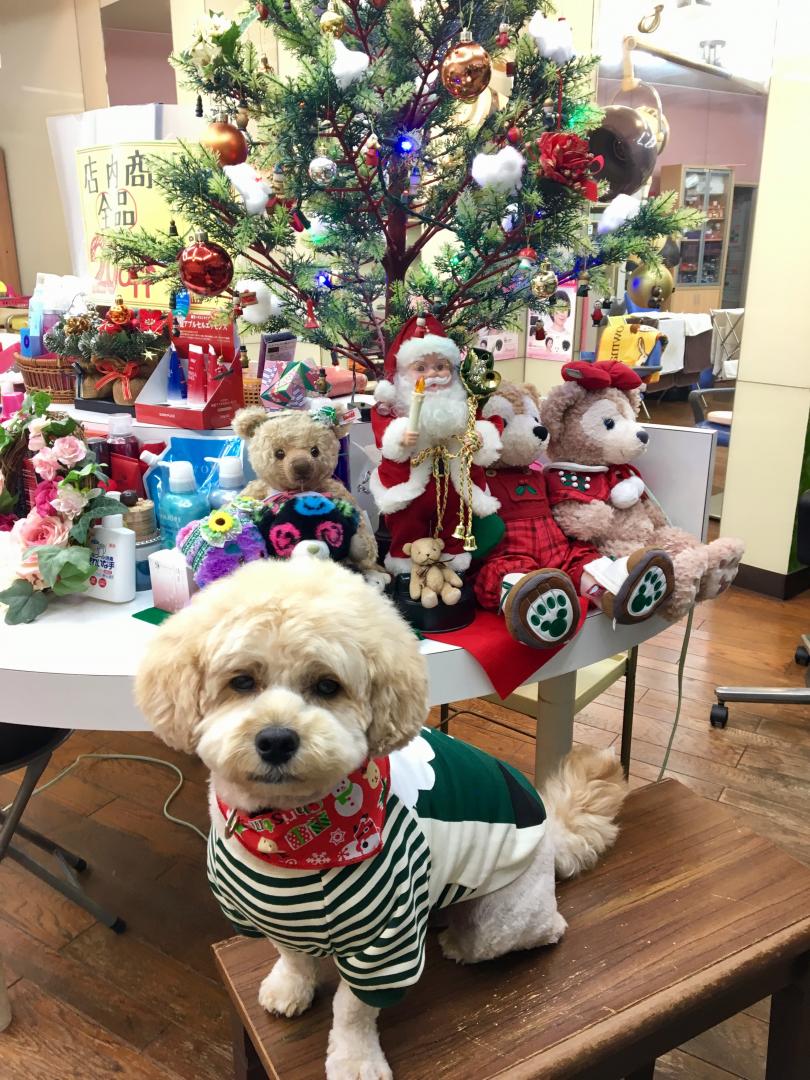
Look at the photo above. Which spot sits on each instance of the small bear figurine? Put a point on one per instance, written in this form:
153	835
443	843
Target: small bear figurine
431	580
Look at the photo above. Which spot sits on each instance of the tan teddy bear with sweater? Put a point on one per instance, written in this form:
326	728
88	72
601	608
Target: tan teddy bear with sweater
432	580
297	450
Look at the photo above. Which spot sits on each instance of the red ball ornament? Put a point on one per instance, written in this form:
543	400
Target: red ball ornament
226	142
205	267
514	135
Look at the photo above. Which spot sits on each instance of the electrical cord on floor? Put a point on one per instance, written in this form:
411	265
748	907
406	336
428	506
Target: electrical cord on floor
681	666
129	757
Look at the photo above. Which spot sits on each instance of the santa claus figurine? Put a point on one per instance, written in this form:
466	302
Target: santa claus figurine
425	484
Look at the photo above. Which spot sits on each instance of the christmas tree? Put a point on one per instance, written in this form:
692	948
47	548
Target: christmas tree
363	158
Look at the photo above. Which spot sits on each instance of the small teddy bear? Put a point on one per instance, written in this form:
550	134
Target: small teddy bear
296	450
432	580
598	496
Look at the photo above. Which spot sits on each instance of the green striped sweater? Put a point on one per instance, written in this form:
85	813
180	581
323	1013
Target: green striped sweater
458	824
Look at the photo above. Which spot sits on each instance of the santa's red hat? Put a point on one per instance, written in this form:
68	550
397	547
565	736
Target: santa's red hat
421	335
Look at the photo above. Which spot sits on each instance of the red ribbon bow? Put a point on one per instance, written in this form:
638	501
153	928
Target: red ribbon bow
566	158
601	375
110	373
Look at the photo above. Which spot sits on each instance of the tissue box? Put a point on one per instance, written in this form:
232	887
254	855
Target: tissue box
172	580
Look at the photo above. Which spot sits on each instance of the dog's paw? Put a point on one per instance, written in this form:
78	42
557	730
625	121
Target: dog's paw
285	991
452	947
371	1066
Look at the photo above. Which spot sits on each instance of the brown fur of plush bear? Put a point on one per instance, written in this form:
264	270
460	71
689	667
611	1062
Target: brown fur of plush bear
291	451
432	580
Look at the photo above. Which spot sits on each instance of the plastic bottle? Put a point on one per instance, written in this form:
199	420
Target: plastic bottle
182	503
230	483
112	556
119	436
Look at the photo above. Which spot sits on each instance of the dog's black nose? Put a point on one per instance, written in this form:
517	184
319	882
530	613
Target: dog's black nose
642	436
276	745
540	433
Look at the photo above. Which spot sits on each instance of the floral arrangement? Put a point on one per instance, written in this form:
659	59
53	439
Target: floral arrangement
72	334
45	551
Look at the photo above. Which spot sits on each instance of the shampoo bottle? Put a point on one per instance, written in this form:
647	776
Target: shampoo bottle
112	558
231	482
182	503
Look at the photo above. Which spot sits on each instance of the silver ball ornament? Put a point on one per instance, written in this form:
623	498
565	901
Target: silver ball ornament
322	171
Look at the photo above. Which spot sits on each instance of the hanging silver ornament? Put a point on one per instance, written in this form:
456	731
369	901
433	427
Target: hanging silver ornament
322	171
544	282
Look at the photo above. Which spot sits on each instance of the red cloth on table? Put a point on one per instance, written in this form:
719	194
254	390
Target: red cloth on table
506	662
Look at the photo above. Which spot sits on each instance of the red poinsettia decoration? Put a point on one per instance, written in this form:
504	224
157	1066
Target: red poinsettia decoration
566	158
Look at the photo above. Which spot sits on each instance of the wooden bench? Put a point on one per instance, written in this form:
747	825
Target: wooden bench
689	919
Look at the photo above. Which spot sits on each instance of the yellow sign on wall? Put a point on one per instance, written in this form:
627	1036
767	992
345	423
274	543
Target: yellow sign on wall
119	191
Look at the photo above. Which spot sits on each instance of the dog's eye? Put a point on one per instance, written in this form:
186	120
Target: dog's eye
326	687
315	452
279	454
609	423
242	683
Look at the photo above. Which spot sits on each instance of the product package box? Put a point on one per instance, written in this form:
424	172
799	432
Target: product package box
210	354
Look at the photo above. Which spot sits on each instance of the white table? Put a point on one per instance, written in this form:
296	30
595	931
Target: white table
75	664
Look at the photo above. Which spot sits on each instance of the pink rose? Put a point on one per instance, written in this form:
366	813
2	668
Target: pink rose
69	450
43	493
28	569
38	530
46	463
69	500
36	440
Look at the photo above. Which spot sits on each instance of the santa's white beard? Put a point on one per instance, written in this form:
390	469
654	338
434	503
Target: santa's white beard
444	412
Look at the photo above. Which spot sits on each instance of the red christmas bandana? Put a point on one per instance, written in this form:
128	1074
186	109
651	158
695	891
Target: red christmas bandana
344	828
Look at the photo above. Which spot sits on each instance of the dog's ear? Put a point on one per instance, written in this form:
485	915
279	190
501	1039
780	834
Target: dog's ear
556	404
169	683
248	421
398	684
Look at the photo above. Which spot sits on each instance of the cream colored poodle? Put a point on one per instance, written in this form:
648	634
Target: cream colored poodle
339	822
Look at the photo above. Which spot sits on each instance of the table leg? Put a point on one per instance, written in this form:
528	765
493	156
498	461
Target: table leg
629	706
5	1004
246	1064
789	1033
555	723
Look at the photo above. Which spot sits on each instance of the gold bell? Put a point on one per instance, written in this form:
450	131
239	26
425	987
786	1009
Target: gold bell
460	533
469	542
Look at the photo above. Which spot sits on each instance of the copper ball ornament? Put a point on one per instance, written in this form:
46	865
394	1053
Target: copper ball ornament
332	22
544	282
670	252
650	288
322	170
205	267
226	142
466	69
627	143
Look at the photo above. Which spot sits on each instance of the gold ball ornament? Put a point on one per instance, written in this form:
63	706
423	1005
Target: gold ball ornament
322	171
332	22
226	142
466	69
544	282
650	288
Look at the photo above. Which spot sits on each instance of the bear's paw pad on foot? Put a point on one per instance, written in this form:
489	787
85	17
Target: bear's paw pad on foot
650	591
552	615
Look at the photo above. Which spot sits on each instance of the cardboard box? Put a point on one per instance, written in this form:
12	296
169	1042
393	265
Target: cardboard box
224	395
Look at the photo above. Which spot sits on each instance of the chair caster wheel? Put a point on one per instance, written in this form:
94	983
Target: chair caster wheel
718	716
119	926
802	656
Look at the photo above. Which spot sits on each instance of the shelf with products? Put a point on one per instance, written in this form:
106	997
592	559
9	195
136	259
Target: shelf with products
708	189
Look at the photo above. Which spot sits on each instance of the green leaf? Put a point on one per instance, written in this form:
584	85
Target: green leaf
7	502
101	506
69	564
37	402
59	428
24	604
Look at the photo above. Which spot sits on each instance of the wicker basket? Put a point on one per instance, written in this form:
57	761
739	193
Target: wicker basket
252	389
55	374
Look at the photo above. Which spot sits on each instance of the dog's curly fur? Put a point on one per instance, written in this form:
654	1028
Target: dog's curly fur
289	626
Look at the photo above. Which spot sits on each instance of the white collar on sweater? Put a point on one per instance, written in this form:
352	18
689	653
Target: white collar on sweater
571	466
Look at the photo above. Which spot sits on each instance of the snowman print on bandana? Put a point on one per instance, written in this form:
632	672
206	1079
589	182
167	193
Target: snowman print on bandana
348	798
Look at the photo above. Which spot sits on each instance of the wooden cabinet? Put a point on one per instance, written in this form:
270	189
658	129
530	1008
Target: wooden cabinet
699	277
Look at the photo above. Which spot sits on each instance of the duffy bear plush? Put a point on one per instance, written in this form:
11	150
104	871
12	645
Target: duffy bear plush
297	450
598	496
431	580
535	571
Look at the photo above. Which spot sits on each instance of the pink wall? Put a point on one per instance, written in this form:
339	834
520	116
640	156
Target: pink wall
706	127
138	71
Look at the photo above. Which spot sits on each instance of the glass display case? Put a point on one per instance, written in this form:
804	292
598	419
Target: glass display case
709	189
